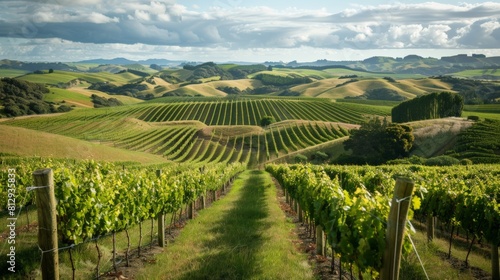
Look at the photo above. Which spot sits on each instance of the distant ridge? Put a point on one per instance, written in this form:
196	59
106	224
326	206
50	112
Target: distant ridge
125	61
410	64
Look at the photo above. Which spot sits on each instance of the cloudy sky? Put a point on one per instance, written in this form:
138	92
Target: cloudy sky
238	30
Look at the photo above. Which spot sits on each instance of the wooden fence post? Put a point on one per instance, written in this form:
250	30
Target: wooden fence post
161	222
47	223
396	225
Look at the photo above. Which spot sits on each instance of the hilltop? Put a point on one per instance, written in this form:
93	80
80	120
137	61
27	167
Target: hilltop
410	64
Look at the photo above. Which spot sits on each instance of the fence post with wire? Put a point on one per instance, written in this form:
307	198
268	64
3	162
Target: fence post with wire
47	222
396	228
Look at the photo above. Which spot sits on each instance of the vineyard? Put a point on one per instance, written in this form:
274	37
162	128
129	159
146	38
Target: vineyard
347	201
100	199
178	129
182	153
349	204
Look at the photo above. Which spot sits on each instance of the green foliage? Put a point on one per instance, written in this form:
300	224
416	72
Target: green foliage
466	161
242	71
267	120
23	98
378	141
99	198
345	200
300	158
230	90
277	80
136	72
442	161
169	78
343	207
265	90
156	67
347	82
430	106
380	94
479	143
390	79
210	69
288	92
103	102
133	90
320	156
474	91
63	108
348	77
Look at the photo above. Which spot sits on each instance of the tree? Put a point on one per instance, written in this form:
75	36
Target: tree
430	106
267	120
51	70
155	67
378	141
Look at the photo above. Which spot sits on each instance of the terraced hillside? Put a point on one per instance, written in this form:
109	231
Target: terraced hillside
249	111
210	129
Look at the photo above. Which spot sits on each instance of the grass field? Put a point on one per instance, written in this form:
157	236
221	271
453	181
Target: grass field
26	142
83	90
59	77
479	73
59	95
435	262
244	236
11	73
482	115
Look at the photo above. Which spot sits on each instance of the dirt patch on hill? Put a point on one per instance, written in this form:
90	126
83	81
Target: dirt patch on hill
434	137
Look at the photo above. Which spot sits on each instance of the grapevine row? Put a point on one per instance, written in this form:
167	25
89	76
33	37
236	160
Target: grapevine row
467	197
98	198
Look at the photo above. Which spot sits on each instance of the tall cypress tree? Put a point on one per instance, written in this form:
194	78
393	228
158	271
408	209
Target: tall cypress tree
429	106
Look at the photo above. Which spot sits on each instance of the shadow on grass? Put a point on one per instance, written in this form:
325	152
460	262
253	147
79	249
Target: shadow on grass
238	236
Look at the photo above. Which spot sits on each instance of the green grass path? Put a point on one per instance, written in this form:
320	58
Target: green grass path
243	236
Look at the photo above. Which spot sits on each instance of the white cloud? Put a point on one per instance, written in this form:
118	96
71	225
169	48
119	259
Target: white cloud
142	15
170	24
490	26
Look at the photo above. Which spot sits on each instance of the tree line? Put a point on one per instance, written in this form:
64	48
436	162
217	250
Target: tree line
430	106
24	98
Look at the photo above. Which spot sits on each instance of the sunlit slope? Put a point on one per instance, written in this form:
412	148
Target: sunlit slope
210	129
26	142
59	77
340	88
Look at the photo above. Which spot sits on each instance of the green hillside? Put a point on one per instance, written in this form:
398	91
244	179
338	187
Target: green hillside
210	129
486	74
61	77
212	113
11	73
480	143
29	143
